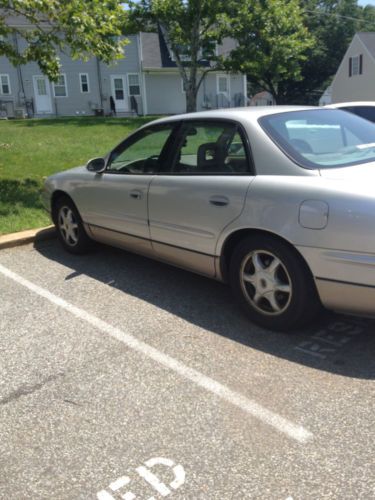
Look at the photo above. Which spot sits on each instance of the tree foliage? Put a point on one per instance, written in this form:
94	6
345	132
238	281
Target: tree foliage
190	27
271	36
333	24
272	42
83	27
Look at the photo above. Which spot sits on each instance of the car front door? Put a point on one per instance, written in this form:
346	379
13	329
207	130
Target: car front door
114	203
205	190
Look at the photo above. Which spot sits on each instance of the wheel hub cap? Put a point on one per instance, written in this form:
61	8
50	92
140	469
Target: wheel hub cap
68	226
266	282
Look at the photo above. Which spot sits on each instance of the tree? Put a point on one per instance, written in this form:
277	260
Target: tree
191	28
333	24
272	42
83	27
368	18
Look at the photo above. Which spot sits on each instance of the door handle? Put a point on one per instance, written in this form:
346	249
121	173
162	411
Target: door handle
136	194
219	201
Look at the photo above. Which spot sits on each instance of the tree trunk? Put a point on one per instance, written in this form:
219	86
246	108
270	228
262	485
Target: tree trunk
192	90
191	100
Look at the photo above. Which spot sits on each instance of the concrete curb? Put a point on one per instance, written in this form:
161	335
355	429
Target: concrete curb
24	237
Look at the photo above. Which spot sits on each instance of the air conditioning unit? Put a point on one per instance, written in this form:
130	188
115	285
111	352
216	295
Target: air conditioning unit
20	113
7	108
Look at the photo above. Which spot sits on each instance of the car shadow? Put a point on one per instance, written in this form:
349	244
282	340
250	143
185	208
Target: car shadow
339	344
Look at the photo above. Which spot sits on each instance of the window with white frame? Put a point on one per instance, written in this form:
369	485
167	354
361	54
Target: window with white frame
356	65
4	85
222	84
59	87
84	83
133	84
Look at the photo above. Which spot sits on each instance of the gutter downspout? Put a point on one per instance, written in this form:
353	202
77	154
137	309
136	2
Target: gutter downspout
19	73
142	74
245	89
99	75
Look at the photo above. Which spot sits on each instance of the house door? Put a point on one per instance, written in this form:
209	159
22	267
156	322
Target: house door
42	93
222	88
118	93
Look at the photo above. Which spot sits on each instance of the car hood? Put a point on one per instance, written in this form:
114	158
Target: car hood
75	170
71	173
358	173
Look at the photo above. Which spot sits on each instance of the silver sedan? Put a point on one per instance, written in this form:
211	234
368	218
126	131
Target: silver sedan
277	201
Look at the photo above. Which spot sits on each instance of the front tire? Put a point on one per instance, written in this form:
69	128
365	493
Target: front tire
69	225
272	283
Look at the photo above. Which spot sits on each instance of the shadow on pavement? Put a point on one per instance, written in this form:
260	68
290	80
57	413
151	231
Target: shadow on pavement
339	344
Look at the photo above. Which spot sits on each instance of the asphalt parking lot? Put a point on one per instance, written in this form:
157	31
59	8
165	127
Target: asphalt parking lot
125	378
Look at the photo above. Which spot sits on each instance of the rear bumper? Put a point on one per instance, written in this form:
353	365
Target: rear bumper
348	297
345	280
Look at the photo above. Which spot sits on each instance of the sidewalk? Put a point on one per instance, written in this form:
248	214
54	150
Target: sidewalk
29	236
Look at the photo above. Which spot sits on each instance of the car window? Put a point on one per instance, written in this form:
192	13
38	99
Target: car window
210	148
142	154
322	138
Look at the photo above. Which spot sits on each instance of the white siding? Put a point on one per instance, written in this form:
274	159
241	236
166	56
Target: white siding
164	94
356	87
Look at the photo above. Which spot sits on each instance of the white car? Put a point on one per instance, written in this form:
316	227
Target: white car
277	201
365	109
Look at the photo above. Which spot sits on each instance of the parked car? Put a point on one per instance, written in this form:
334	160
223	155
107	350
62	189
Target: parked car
277	201
365	109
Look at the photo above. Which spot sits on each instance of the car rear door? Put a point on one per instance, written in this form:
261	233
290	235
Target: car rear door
204	191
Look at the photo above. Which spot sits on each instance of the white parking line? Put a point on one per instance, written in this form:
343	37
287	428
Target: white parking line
258	411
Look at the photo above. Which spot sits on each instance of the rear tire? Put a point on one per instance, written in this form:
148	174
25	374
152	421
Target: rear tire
273	284
69	225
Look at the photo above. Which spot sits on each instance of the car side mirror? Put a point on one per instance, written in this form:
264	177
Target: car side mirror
96	165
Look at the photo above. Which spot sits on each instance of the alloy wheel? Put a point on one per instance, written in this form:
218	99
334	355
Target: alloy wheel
265	282
68	226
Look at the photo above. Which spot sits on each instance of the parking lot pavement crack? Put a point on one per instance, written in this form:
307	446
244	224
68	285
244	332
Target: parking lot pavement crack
69	401
25	390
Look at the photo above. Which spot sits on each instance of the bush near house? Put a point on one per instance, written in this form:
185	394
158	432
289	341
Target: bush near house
30	150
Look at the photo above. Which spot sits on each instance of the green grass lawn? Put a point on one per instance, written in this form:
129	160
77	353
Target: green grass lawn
33	149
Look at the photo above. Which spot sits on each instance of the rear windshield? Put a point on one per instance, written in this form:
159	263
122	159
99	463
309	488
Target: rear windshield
322	138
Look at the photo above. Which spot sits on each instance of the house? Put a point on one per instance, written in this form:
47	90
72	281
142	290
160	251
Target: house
355	77
326	97
146	81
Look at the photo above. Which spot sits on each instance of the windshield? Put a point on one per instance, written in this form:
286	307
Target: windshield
322	138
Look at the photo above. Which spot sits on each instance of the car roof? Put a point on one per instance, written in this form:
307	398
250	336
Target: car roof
241	114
